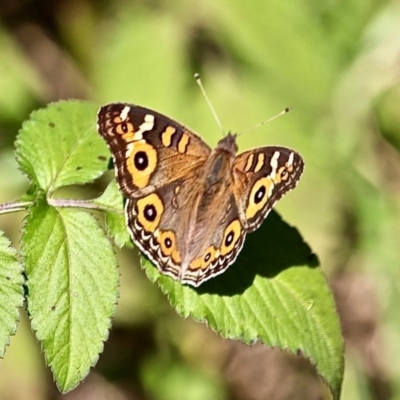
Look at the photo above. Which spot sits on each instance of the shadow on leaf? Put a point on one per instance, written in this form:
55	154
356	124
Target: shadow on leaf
273	248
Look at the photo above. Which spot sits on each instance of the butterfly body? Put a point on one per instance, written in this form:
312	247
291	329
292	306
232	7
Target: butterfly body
189	207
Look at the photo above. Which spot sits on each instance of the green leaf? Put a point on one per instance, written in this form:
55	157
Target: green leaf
273	293
59	146
72	288
112	201
11	292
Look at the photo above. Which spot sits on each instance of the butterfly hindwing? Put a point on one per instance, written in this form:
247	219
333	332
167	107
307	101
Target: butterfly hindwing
160	223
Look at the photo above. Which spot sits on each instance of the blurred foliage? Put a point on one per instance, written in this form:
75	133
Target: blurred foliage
335	63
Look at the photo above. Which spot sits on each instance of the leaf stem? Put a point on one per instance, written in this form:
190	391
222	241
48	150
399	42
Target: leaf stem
88	204
14	206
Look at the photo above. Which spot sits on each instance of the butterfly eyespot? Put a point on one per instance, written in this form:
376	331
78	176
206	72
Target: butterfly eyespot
284	174
141	160
124	127
259	195
167	241
204	262
229	239
150	212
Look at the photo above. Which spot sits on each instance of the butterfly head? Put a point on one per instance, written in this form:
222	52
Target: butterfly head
228	144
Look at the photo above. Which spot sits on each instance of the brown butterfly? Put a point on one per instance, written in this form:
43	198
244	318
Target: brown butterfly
189	207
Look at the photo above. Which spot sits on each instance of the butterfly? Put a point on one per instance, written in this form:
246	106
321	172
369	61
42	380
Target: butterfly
188	207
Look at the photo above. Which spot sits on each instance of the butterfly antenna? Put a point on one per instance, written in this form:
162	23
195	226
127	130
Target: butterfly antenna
285	111
198	80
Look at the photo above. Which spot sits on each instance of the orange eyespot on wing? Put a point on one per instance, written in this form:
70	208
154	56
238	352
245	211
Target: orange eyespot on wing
141	162
204	261
149	211
231	237
168	245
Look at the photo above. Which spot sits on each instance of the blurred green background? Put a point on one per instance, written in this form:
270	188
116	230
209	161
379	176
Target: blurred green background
337	63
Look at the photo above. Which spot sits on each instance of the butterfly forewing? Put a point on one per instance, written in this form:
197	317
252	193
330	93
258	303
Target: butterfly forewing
147	147
261	177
